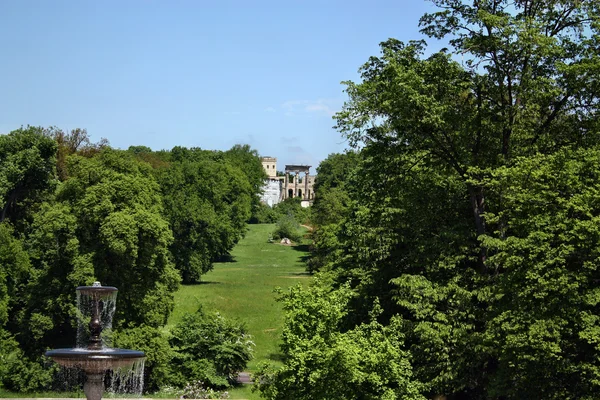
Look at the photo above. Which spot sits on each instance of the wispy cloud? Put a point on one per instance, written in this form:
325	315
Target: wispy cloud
323	107
270	109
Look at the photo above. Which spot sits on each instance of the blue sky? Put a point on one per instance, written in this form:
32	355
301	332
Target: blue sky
208	74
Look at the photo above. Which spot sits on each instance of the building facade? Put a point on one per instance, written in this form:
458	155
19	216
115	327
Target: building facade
295	182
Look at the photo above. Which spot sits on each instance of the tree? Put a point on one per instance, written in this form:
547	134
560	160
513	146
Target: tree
76	141
543	319
527	88
331	207
117	204
105	224
323	363
15	267
465	223
331	187
247	160
207	202
27	172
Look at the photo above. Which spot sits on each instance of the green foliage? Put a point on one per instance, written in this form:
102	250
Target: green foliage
287	227
208	202
106	221
263	214
208	348
471	214
27	172
105	225
17	372
248	161
75	142
117	205
292	207
15	267
335	171
333	204
543	324
59	265
155	344
322	363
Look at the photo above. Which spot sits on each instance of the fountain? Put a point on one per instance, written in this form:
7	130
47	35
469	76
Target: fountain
96	307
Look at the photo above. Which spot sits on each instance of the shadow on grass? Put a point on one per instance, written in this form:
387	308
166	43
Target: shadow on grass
300	274
203	283
304	248
276	357
227	258
301	247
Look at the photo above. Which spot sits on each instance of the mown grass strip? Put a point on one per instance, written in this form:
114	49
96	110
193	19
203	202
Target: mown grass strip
243	289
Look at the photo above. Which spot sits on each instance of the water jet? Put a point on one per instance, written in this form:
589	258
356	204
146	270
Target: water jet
96	306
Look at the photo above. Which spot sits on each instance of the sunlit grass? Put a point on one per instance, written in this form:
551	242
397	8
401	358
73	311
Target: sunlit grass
244	290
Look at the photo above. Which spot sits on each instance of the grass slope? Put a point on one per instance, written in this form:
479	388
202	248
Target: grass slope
243	288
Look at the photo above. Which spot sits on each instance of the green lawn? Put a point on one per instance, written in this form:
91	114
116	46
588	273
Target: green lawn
243	290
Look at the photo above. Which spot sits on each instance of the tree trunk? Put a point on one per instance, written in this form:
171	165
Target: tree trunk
478	207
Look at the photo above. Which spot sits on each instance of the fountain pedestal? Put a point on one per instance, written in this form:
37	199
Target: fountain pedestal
94	386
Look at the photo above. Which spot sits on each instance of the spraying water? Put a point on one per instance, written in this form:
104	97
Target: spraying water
119	370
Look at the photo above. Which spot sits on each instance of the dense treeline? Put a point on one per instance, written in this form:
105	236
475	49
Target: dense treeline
74	212
458	243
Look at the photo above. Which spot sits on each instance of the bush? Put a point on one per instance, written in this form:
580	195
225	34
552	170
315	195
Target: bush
209	348
287	227
293	208
17	373
263	214
158	352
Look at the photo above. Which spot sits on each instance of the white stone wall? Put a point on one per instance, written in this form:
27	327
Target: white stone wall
271	192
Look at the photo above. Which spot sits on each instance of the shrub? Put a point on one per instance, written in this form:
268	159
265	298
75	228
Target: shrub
158	352
209	348
19	374
287	227
293	208
263	214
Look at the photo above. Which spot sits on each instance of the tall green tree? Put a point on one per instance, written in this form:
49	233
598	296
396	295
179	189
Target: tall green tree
332	205
207	202
465	223
27	172
105	224
527	86
116	201
543	321
247	160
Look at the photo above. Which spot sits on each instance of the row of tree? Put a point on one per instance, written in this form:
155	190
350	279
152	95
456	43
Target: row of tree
458	244
74	212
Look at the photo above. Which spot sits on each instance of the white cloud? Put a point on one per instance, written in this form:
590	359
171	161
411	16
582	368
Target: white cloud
269	109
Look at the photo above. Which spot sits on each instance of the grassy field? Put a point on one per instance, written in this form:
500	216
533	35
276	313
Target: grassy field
243	289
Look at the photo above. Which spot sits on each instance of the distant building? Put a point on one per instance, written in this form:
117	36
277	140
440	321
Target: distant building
272	187
279	188
270	166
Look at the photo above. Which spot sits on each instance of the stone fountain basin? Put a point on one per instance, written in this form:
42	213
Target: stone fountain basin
95	361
